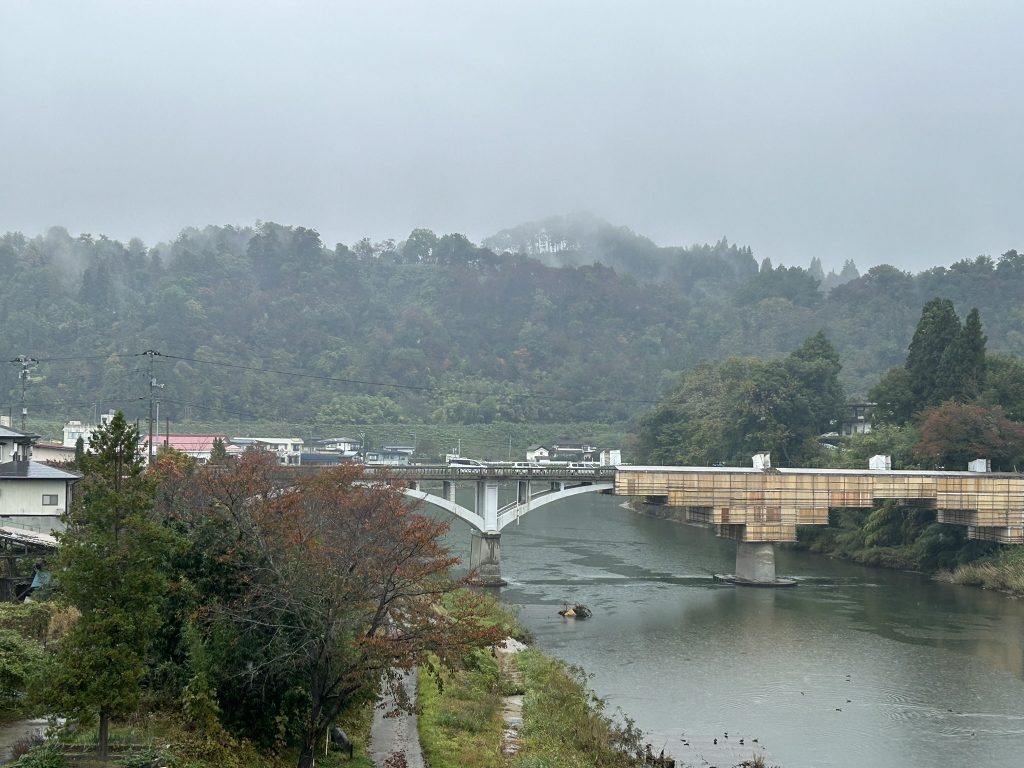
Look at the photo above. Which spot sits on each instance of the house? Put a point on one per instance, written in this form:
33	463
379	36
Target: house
610	457
386	457
288	450
33	496
54	453
324	458
538	453
15	445
346	445
857	419
565	450
76	429
199	447
408	450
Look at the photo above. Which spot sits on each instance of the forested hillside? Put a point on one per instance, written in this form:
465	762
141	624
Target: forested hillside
436	328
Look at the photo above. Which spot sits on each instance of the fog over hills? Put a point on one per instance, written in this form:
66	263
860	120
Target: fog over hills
873	131
269	322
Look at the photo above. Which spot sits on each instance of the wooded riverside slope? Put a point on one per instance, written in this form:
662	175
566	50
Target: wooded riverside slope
436	328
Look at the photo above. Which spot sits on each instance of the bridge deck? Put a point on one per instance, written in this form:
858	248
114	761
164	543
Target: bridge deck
767	505
754	505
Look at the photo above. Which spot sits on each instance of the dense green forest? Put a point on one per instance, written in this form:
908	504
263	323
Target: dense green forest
948	403
268	323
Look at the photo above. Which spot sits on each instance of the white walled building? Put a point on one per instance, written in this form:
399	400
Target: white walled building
287	449
538	453
76	429
33	496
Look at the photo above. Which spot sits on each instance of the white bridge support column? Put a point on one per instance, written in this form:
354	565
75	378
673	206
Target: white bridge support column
485	559
523	491
448	490
485	546
755	563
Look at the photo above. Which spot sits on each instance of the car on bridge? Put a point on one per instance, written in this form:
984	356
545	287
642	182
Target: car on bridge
462	464
461	461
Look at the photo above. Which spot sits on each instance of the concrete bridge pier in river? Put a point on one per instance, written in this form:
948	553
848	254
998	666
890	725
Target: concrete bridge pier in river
755	565
534	488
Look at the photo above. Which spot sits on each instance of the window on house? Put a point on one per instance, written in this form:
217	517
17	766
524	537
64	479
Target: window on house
49	499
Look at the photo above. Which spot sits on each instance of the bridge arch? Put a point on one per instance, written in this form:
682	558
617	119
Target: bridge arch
516	510
488	522
471	517
508	513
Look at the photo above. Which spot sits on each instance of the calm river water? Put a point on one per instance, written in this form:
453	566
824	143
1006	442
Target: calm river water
854	667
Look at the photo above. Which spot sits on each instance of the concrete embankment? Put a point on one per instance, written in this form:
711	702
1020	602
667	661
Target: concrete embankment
395	735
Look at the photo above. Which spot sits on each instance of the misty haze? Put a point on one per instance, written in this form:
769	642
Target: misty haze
614	384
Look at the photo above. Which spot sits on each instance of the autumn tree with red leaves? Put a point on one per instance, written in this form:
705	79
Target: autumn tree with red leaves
953	434
332	584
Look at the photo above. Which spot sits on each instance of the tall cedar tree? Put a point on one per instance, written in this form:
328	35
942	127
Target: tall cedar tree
337	584
945	363
938	328
111	567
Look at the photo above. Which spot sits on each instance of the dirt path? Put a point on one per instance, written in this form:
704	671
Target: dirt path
512	706
394	738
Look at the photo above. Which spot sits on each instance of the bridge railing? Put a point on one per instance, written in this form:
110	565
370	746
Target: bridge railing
446	472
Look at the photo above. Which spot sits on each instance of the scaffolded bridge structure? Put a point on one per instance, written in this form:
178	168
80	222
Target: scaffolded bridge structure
758	507
755	507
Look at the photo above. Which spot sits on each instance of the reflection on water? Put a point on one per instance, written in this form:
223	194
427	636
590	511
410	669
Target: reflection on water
854	667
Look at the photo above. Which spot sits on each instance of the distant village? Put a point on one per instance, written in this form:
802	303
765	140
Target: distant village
36	480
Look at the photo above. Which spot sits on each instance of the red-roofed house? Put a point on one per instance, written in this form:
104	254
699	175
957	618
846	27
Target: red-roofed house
196	446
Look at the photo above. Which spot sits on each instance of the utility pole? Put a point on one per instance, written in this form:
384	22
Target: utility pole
151	354
26	363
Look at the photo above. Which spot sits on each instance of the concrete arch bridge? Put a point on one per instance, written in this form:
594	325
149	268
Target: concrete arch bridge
755	507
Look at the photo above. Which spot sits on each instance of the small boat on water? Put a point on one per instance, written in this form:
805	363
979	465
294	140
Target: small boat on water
578	611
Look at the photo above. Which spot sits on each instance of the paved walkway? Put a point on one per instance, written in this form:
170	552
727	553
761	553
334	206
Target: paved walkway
393	739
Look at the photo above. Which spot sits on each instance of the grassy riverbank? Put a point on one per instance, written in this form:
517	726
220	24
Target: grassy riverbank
564	724
1004	572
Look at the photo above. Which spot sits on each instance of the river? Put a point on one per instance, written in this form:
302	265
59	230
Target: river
856	666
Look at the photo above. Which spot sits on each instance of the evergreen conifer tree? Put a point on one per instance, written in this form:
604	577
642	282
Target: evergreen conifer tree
111	567
930	375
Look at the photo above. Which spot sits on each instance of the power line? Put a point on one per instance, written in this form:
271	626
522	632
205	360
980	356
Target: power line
26	363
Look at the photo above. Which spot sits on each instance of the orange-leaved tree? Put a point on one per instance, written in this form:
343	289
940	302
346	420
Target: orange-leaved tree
331	585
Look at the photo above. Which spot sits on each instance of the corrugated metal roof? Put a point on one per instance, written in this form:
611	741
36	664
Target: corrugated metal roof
33	470
31	538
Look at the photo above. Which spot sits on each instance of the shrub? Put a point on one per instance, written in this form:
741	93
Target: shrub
19	660
45	756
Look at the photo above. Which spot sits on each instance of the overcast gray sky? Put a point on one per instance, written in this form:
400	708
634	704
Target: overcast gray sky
886	131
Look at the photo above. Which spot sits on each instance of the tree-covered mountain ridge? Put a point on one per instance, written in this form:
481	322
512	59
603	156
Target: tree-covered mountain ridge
267	321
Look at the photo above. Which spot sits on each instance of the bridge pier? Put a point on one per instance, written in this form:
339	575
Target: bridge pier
485	559
755	562
755	566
